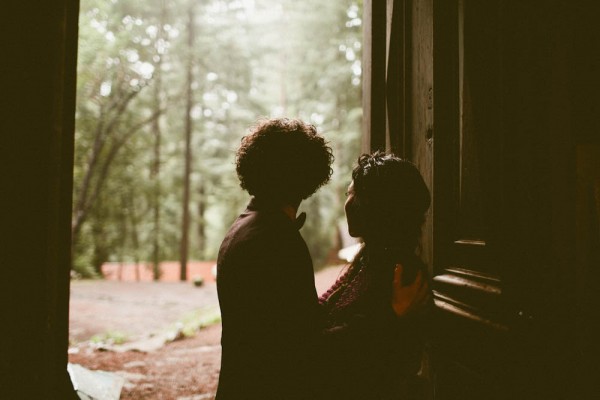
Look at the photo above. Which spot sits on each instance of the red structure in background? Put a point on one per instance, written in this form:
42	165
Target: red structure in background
169	271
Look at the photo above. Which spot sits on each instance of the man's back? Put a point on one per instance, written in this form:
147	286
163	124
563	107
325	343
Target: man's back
269	308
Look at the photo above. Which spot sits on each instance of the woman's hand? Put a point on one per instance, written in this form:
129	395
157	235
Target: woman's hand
410	298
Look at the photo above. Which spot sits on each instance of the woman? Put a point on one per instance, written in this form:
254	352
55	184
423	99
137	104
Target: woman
377	309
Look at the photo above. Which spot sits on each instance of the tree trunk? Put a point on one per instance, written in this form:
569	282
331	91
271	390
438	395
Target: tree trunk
100	254
125	232
188	152
201	222
155	172
134	234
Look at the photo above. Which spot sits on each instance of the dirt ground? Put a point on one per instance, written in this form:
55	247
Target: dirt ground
184	369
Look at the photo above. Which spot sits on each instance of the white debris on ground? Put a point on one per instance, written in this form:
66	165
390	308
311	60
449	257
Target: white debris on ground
95	385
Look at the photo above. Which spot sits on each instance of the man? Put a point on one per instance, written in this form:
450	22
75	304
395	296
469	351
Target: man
265	279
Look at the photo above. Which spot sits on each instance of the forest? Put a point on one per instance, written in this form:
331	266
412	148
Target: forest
165	92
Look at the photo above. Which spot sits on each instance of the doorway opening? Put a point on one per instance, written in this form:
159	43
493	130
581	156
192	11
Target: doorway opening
165	92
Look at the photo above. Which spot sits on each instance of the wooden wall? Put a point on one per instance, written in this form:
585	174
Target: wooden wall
39	45
497	104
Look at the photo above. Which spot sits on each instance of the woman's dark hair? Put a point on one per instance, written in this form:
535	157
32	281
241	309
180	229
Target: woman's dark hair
392	199
283	160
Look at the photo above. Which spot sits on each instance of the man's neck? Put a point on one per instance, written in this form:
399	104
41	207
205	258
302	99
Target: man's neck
289	208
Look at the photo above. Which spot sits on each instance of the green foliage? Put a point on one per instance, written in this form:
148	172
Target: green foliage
109	338
195	320
250	59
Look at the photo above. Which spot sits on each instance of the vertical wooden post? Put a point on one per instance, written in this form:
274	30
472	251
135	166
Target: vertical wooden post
374	70
36	148
398	78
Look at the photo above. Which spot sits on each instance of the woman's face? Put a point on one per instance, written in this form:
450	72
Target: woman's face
352	213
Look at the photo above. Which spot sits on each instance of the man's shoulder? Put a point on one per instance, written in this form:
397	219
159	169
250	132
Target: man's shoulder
253	230
257	225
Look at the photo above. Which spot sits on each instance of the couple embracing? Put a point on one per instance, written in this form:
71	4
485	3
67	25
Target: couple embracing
362	339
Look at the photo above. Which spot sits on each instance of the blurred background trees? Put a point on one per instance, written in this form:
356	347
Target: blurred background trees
162	84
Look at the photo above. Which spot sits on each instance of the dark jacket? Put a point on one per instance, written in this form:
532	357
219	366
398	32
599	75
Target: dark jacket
269	308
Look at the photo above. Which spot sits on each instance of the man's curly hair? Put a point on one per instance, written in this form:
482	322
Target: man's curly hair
283	160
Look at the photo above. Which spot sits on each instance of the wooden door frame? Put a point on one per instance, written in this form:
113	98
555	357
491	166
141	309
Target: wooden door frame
38	93
386	79
374	72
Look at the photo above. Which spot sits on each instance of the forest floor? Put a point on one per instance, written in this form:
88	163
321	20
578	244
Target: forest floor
136	331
